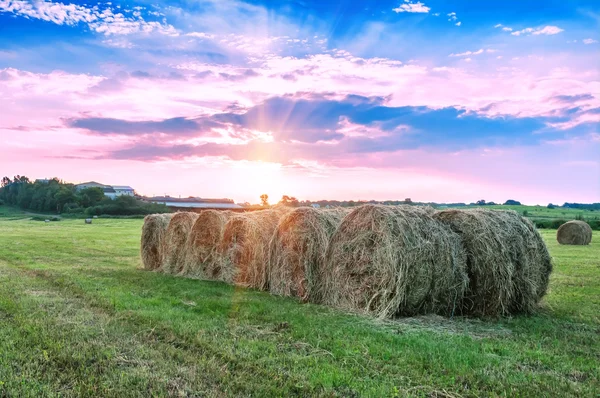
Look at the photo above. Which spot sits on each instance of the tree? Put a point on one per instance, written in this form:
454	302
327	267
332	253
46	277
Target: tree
6	181
480	202
511	202
90	196
408	201
551	206
64	196
264	199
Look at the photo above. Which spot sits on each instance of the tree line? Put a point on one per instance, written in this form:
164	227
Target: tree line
57	196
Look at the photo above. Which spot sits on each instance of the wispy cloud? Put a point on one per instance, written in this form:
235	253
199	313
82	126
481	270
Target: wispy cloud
546	30
589	41
409	6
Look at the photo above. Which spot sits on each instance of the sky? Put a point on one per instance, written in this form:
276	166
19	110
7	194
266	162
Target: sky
445	101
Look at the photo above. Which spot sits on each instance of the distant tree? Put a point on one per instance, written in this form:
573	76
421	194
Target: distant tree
285	200
6	181
264	199
90	196
408	201
63	196
480	202
511	202
551	206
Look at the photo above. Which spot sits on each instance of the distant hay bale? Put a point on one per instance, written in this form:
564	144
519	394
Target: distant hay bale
297	252
88	220
175	241
574	233
507	261
391	261
203	258
244	248
153	232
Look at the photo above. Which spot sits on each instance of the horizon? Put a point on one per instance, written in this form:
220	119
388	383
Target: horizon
437	101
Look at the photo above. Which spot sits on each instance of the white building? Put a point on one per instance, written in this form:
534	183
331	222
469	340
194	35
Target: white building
123	190
109	190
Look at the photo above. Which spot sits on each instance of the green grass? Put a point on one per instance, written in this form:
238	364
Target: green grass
79	318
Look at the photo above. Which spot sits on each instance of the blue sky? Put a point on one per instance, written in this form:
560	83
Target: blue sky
297	93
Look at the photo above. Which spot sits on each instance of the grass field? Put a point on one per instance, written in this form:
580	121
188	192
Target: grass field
79	318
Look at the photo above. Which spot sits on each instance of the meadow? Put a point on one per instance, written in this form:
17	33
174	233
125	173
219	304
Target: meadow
78	317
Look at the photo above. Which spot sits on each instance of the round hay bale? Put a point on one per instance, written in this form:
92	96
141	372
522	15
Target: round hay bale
507	261
203	258
245	248
297	252
175	241
391	261
153	232
574	233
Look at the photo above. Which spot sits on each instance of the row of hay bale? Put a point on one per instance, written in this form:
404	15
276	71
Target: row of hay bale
384	260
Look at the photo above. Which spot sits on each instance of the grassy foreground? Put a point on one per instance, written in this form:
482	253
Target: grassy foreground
79	318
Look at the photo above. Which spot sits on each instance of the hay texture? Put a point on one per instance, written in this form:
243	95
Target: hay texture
297	252
245	248
574	233
203	258
175	241
390	261
153	233
507	261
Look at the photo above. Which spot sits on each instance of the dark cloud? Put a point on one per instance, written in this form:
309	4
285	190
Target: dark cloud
239	77
574	98
174	126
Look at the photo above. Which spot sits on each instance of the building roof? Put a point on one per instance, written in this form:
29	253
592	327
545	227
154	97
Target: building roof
91	183
205	205
123	188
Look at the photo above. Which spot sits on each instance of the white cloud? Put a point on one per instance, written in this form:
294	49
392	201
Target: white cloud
200	35
546	30
507	29
409	6
106	21
437	14
452	16
468	53
467	59
498	25
589	41
458	23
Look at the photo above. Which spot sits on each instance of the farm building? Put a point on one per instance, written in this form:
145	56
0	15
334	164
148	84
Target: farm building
112	191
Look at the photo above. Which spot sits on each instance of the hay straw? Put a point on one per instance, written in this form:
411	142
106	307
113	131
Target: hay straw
244	248
175	241
202	248
574	232
297	252
391	261
507	261
153	232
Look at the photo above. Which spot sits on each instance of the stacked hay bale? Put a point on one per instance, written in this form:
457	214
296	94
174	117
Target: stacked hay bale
245	247
574	233
152	242
507	261
203	258
297	252
391	261
175	242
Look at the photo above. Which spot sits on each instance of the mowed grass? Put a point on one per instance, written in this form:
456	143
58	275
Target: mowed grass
78	317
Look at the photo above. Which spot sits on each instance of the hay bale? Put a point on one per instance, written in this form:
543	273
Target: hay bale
203	257
391	261
175	241
88	220
574	233
245	247
507	261
153	232
297	252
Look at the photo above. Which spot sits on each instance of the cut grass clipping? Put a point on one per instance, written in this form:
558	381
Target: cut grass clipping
245	246
574	233
297	253
394	261
508	263
152	243
203	258
176	240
